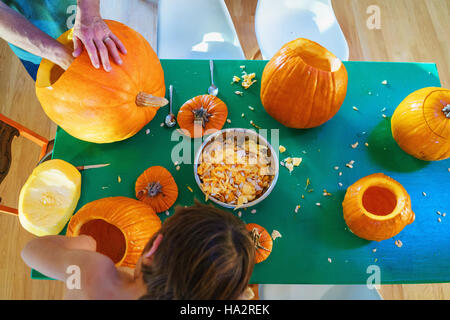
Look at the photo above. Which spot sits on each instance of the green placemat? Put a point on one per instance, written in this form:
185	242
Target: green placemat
315	247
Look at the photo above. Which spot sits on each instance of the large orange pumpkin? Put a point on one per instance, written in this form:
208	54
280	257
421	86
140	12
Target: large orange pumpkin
262	240
121	226
303	85
202	115
157	188
421	124
377	207
98	106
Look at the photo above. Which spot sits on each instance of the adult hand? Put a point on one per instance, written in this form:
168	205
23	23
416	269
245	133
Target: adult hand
91	31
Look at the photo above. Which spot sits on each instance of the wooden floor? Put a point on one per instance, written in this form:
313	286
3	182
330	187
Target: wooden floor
411	30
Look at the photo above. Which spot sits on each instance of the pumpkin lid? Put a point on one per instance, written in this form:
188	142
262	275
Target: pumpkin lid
436	111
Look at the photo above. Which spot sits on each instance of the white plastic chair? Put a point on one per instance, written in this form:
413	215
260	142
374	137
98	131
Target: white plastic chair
196	29
317	292
140	15
280	21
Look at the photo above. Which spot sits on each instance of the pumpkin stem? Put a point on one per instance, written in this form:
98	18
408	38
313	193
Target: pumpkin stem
201	115
151	190
255	236
446	111
144	99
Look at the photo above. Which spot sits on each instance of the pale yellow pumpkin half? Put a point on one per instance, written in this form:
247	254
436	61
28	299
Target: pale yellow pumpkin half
49	197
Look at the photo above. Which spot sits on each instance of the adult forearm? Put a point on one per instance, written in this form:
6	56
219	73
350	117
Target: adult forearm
88	8
16	29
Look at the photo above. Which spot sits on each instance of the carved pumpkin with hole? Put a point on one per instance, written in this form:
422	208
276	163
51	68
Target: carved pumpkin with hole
262	240
202	115
421	124
121	227
303	85
98	106
377	207
157	188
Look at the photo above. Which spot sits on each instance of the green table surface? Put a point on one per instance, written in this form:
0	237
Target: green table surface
315	247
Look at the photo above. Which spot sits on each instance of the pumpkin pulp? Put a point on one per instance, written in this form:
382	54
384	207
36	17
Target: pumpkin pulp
110	240
316	56
381	201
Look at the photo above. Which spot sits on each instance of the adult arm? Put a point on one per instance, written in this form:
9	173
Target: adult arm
17	30
91	31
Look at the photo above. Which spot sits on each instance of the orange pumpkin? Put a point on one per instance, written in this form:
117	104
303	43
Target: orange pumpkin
303	85
157	188
202	115
121	226
421	124
377	207
263	241
98	106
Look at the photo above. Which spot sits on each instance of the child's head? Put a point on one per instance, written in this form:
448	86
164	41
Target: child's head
205	253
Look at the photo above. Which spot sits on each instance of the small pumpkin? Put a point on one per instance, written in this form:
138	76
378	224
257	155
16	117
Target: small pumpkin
49	197
157	188
98	106
202	115
121	227
262	240
421	124
303	85
377	207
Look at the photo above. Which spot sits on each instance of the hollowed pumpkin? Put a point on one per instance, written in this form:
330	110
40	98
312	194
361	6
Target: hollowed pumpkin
421	124
303	85
377	207
98	106
157	188
202	115
262	240
121	226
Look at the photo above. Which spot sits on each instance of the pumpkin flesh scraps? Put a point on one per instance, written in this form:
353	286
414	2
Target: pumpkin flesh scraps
157	188
110	239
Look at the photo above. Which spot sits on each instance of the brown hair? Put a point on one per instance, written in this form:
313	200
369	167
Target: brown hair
205	253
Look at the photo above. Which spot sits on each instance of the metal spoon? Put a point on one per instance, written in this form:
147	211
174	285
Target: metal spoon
170	120
213	90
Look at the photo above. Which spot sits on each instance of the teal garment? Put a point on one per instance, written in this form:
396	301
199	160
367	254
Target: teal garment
54	17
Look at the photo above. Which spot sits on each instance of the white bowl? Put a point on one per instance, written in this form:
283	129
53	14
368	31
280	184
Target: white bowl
252	135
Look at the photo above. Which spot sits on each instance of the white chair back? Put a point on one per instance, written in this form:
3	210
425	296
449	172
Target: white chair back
280	21
196	29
